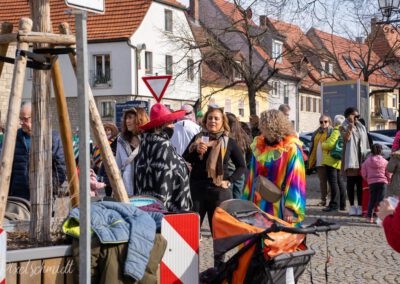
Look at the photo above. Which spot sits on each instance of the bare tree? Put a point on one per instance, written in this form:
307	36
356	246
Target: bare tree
240	50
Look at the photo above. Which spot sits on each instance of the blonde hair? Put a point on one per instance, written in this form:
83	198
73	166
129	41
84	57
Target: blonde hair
328	117
225	122
274	124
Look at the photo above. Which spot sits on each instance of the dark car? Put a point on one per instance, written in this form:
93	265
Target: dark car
388	132
306	139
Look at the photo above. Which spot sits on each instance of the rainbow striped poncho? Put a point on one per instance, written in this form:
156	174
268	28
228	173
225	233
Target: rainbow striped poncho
283	164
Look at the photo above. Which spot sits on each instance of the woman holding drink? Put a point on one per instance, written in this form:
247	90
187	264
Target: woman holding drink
209	153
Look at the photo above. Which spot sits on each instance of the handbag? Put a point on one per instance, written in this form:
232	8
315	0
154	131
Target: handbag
267	189
336	152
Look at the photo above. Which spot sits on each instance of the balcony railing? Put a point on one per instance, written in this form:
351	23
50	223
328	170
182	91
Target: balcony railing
384	113
100	80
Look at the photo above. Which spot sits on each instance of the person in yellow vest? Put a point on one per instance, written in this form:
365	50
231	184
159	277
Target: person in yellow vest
315	159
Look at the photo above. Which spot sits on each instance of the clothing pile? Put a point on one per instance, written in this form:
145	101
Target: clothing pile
126	246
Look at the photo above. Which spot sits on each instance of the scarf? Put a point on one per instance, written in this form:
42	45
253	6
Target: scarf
97	158
215	160
356	149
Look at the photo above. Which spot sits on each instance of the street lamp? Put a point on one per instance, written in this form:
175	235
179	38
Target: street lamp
387	7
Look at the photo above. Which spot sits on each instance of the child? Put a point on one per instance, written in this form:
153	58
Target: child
375	172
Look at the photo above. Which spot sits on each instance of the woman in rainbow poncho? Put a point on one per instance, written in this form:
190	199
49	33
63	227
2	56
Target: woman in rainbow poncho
277	155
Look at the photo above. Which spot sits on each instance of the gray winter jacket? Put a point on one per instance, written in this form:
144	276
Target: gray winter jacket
114	223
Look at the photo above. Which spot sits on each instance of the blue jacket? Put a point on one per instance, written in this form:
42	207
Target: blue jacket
19	183
115	222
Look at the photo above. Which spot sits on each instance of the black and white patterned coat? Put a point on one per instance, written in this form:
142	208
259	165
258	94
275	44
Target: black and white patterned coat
162	173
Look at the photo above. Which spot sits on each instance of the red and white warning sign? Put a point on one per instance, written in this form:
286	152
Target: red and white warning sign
180	263
157	85
3	250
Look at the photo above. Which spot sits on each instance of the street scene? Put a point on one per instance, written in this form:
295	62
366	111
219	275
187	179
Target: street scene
199	141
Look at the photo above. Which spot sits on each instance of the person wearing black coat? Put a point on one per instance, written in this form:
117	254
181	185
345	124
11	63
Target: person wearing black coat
210	178
19	183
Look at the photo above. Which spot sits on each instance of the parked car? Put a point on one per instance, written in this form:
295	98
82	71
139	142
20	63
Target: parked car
306	149
388	141
386	150
388	132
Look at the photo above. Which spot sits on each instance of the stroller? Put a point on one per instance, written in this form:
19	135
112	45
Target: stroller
270	250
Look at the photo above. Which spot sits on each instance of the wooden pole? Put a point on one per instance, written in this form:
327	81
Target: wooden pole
40	160
100	136
8	38
7	153
66	133
6	28
50	38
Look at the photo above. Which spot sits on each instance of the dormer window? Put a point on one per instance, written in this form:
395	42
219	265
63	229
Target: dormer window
237	76
326	68
277	47
386	72
360	63
349	63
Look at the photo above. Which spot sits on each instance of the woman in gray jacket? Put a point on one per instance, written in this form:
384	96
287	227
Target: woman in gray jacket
128	145
355	149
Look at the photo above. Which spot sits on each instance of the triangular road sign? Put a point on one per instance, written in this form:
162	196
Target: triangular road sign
157	85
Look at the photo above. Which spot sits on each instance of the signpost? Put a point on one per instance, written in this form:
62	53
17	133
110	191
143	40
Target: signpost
157	85
120	108
96	6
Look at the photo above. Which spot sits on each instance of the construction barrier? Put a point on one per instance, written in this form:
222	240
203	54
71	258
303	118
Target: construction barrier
3	250
180	263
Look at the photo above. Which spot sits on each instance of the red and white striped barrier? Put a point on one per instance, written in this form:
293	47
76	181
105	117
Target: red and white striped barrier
180	263
3	250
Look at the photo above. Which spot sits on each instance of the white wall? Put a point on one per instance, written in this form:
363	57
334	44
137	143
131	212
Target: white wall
151	32
276	101
121	70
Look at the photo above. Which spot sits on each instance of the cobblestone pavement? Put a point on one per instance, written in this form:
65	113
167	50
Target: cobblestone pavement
360	253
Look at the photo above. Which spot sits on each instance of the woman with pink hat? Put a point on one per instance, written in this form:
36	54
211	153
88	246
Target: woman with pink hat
159	170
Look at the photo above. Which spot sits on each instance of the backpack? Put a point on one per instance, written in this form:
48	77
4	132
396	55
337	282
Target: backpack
336	152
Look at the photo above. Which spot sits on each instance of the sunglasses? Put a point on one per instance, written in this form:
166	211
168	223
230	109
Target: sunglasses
323	121
357	116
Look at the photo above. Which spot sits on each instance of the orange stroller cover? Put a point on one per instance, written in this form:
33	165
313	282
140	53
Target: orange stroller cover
236	221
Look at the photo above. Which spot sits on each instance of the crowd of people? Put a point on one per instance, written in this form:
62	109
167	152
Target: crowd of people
195	161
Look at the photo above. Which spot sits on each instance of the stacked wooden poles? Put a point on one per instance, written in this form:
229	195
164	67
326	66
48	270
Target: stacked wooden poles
100	136
66	133
40	160
7	153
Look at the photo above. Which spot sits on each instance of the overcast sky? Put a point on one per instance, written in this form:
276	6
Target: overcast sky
341	17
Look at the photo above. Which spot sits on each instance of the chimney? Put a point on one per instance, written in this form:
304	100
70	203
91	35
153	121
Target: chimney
194	10
360	39
263	21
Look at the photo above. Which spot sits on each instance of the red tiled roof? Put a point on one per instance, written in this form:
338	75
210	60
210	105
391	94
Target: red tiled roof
341	47
233	13
120	21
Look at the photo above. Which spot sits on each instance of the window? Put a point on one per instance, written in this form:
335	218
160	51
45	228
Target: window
349	63
386	72
302	103
257	108
236	74
314	105
228	105
308	104
330	68
168	64
360	63
168	20
102	70
107	109
277	51
148	62
275	89
379	126
394	100
323	67
319	105
190	69
241	108
286	94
